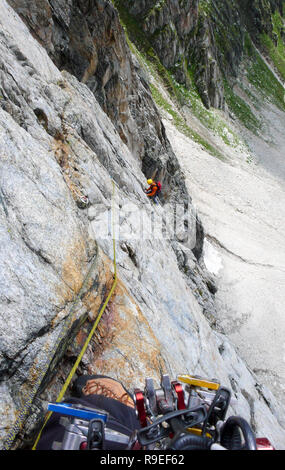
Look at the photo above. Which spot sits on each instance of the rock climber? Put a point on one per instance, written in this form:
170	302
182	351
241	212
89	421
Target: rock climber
152	190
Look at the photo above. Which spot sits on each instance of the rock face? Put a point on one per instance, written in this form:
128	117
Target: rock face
77	115
49	119
258	14
203	38
100	58
169	23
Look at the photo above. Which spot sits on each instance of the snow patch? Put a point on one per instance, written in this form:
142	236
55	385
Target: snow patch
212	258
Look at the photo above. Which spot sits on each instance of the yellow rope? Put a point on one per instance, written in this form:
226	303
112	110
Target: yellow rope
73	370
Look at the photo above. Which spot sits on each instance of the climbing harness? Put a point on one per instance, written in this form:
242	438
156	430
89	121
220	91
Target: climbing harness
190	414
184	414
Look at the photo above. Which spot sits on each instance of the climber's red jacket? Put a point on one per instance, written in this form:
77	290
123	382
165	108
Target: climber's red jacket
152	190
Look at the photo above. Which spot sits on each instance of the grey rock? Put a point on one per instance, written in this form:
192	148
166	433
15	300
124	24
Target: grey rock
59	142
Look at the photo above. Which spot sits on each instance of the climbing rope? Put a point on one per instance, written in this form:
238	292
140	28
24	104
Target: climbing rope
74	368
24	411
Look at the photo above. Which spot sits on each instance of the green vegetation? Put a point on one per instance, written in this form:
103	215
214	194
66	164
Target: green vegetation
258	72
180	94
276	52
181	125
260	75
157	7
190	97
227	31
205	6
241	110
133	28
263	80
140	44
210	118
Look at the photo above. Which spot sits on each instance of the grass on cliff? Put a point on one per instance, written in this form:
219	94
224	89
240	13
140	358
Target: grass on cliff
139	42
260	75
181	125
263	80
188	96
180	94
241	110
276	52
210	118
